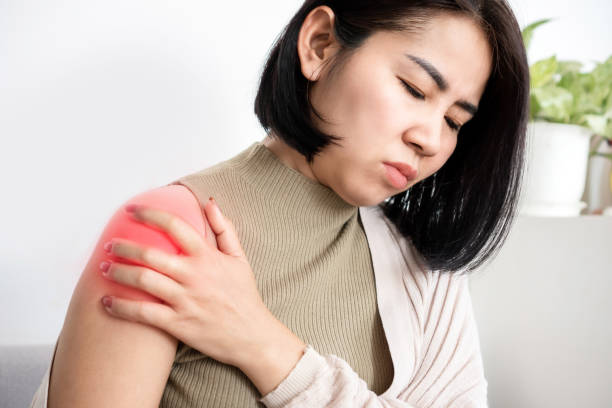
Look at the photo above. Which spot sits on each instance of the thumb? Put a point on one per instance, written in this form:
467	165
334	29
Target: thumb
225	234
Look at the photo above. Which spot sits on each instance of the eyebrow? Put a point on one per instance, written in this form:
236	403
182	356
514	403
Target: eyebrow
441	82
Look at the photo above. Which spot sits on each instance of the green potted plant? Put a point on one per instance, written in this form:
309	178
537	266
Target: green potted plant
569	108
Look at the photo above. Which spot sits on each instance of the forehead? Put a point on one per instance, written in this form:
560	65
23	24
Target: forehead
455	45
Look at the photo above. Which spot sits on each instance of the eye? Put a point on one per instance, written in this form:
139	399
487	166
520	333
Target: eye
452	125
413	91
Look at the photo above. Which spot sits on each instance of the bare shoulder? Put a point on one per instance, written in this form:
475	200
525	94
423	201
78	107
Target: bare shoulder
105	361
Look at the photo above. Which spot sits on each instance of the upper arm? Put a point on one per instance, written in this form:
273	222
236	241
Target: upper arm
103	361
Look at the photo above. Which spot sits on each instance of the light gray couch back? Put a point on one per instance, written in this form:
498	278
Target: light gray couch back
21	371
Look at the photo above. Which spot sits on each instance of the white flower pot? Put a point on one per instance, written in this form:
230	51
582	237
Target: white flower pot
598	191
556	168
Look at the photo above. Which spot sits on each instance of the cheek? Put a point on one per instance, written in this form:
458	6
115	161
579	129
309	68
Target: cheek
442	158
385	104
451	147
370	102
349	169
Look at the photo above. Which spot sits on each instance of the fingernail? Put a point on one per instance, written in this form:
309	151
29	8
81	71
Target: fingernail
131	208
107	301
108	246
104	267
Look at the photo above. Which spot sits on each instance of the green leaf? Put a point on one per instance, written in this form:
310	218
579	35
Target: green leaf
542	72
608	104
603	71
597	123
527	32
608	131
568	66
589	98
554	103
560	92
534	107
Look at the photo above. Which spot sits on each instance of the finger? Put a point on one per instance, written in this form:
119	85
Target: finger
182	233
150	257
147	280
227	238
150	313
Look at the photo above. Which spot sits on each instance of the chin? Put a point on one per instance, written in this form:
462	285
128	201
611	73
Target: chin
362	197
353	200
369	201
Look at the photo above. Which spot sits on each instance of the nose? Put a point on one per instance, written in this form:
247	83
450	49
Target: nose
424	132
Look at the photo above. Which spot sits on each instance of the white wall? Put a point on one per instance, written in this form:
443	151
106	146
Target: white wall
580	30
102	100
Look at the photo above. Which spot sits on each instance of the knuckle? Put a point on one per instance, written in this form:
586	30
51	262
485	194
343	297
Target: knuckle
146	255
175	298
174	224
172	265
142	277
177	266
141	312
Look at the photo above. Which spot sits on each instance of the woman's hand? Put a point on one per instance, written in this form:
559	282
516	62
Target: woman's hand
211	300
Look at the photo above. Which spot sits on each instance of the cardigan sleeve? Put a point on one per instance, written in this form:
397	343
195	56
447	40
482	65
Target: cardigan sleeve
325	381
450	370
449	373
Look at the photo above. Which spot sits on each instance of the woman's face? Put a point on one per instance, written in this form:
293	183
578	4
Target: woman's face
380	119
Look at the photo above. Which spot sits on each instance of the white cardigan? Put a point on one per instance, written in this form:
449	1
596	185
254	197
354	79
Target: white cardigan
430	329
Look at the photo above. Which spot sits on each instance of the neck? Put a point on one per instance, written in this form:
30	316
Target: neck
289	156
290	194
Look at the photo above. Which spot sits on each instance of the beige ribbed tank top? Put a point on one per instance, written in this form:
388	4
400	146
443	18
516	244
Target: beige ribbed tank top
309	253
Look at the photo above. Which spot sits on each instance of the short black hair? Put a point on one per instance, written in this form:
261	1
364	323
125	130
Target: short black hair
458	217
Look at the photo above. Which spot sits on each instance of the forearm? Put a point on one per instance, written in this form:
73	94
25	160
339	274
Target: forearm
273	360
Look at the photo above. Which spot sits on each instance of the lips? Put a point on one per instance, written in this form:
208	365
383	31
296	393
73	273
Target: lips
399	174
407	171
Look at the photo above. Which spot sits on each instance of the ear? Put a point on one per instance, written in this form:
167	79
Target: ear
316	41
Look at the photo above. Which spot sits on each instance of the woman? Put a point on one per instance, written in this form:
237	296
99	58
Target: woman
392	163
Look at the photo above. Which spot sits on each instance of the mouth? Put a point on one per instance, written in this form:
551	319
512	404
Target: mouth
399	174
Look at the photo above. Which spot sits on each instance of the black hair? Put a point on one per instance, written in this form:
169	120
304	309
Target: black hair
458	217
